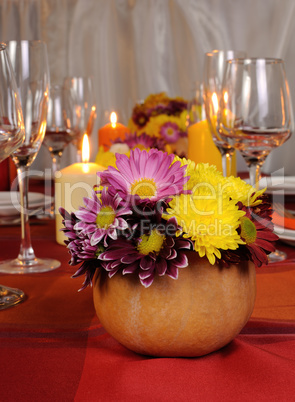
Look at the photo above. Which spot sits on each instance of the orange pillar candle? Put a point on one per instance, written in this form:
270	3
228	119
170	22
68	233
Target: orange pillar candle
111	131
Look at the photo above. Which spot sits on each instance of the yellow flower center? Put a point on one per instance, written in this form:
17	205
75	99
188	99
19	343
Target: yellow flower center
248	230
151	243
105	217
145	188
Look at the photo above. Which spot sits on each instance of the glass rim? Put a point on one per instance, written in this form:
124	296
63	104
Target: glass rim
216	51
32	42
255	60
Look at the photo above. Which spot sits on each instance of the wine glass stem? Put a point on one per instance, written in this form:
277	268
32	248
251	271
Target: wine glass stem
254	170
226	159
26	252
56	160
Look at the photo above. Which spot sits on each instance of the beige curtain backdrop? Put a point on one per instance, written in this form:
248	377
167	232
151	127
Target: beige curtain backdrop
135	47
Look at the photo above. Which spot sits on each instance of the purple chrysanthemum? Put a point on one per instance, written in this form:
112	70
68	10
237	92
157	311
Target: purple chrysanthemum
170	132
156	253
177	106
101	217
80	249
140	118
88	269
142	141
145	176
69	221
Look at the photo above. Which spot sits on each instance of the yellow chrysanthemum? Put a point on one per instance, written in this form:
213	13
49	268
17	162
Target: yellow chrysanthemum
210	219
241	191
153	100
133	127
202	175
105	158
190	170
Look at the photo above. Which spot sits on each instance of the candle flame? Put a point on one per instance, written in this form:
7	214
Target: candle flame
215	102
225	97
113	119
85	149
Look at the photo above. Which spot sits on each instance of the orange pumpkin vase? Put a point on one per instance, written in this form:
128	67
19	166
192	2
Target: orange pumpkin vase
200	312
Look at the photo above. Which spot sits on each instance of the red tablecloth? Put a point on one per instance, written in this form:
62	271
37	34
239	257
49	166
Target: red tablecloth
53	347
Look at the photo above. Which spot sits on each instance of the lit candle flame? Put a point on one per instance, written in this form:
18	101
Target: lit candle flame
225	97
215	102
113	119
85	149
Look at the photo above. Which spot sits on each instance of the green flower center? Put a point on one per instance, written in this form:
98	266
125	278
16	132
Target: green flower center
105	217
170	131
142	120
248	230
145	188
100	249
151	243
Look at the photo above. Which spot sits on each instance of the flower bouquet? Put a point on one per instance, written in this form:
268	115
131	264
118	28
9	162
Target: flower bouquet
158	122
162	118
153	210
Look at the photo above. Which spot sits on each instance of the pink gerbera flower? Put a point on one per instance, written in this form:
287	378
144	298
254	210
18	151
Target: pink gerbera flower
170	132
145	176
101	217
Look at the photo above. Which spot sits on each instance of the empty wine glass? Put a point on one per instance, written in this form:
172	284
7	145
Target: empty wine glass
214	65
30	64
86	107
62	123
255	114
11	137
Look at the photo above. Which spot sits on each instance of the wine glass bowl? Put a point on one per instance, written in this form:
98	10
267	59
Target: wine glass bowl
62	126
30	65
11	119
255	114
85	107
11	137
213	71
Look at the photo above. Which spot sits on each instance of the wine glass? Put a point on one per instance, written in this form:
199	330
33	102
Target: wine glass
62	123
255	114
214	65
11	137
86	107
30	64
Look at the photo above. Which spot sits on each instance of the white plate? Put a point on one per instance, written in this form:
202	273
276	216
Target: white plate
278	184
285	235
10	206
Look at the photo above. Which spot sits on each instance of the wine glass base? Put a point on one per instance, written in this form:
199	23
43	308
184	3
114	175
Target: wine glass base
9	297
277	256
36	265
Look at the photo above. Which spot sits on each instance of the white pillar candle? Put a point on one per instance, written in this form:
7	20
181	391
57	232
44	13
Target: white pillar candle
72	184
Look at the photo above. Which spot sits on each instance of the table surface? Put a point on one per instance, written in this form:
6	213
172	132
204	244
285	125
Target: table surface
53	347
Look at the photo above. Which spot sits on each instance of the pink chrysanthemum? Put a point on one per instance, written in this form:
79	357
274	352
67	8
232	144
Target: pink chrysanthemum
101	217
170	132
145	176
